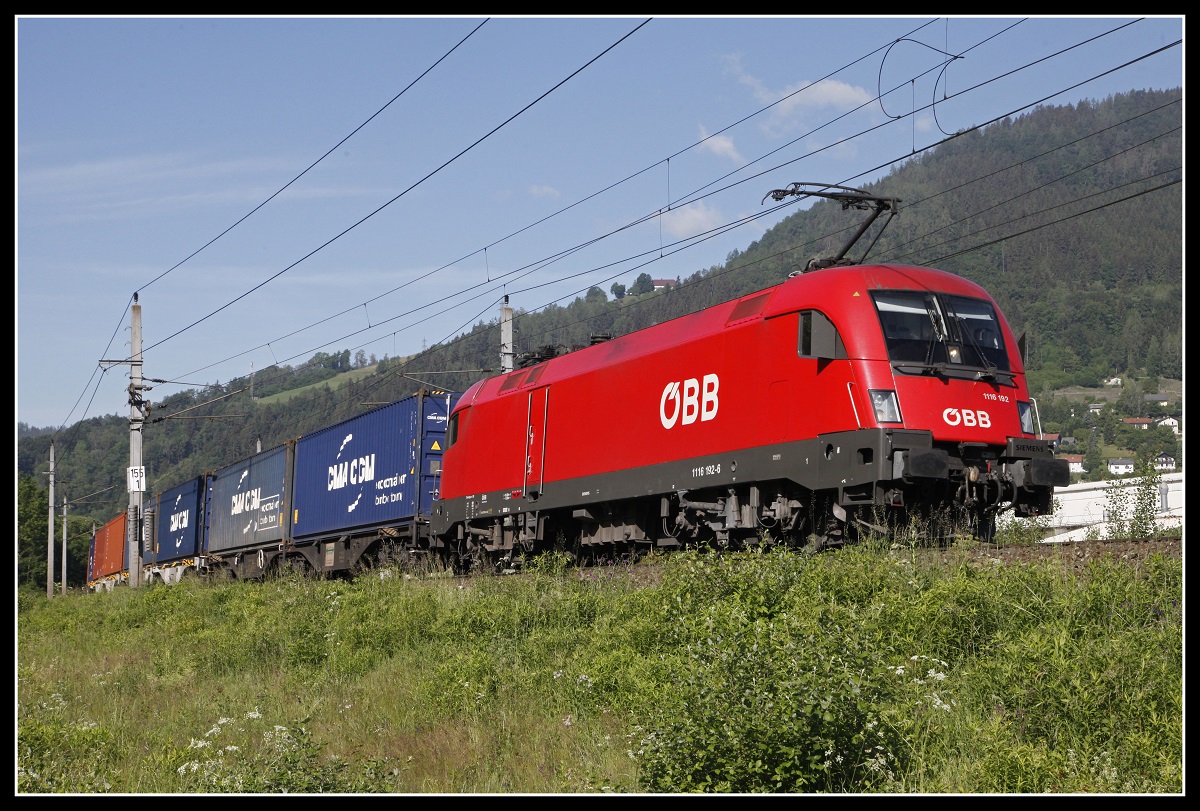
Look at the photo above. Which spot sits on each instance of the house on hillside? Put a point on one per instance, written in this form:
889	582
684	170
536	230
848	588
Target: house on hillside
1164	462
1138	422
1120	466
662	284
1156	399
1074	462
1113	381
1168	422
1095	408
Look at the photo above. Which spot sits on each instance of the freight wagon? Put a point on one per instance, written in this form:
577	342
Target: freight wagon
355	495
244	531
363	489
106	556
174	519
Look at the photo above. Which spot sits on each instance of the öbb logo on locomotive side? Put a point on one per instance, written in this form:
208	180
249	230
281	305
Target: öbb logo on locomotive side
696	401
967	417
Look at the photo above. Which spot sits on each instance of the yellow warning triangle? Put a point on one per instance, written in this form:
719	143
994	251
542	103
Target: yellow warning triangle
436	446
413	472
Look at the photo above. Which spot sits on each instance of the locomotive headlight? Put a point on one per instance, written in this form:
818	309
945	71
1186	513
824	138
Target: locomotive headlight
1026	412
887	407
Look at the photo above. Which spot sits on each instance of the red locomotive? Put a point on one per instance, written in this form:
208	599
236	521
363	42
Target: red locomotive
848	397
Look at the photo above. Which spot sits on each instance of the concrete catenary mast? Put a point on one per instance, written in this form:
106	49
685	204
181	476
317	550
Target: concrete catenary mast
137	417
64	547
50	531
506	337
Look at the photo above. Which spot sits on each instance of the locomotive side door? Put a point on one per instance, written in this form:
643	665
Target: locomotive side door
535	440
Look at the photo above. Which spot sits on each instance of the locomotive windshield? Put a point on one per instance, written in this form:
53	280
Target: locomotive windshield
942	333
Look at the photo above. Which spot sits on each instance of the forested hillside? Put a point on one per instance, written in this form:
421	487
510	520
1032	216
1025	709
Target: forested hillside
1070	215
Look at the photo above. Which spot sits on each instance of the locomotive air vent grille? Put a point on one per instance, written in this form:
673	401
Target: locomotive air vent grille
513	381
748	307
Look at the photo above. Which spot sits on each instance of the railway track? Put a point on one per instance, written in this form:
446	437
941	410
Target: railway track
1078	555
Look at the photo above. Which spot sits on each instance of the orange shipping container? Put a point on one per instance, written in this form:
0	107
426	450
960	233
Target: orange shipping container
107	555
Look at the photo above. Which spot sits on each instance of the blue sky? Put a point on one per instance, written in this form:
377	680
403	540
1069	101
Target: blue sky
455	160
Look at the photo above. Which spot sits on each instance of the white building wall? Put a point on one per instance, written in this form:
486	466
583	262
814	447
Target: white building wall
1079	509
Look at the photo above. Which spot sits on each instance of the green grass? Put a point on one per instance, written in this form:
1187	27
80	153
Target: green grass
333	383
871	669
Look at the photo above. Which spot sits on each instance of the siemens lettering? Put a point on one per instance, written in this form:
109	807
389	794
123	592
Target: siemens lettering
354	471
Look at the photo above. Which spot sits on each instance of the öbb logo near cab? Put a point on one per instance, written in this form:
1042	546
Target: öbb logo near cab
695	402
968	417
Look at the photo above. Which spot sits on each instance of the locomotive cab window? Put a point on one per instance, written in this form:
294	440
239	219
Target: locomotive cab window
937	330
452	429
818	337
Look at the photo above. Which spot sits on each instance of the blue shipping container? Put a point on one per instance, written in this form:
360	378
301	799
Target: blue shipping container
178	519
377	469
246	502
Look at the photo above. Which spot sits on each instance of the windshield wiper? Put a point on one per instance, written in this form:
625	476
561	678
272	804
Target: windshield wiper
916	366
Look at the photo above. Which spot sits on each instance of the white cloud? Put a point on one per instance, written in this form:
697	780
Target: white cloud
720	145
138	171
692	219
796	102
544	191
133	187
